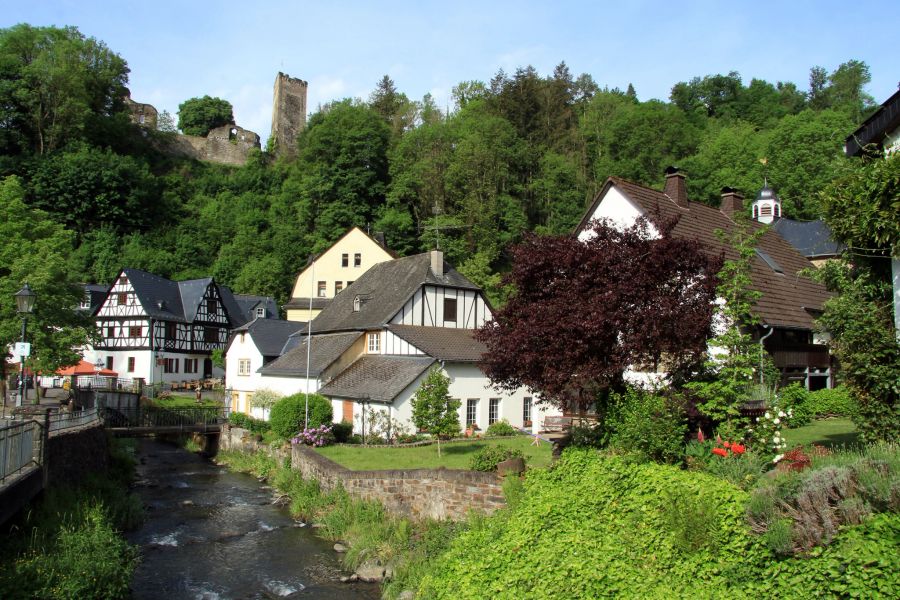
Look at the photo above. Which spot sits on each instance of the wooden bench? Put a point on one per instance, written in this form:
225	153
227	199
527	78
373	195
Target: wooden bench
556	424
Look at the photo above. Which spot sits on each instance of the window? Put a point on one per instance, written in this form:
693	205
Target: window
356	304
755	211
190	365
171	331
210	335
349	283
244	366
357	260
109	362
123	280
122	299
338	286
260	312
345	260
374	343
765	210
493	410
777	210
212	307
450	310
131	364
111	331
526	411
170	365
472	411
322	289
86	301
134	331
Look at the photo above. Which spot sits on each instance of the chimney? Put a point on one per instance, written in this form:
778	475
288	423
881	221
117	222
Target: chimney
675	187
378	236
732	202
437	263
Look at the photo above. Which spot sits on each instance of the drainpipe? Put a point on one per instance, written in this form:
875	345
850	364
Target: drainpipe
761	350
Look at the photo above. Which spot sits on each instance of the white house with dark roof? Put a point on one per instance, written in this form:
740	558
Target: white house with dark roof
162	330
250	347
373	344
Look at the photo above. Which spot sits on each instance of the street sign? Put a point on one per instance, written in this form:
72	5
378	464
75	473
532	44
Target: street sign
22	349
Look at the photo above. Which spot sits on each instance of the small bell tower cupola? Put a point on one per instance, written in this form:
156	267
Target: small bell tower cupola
767	206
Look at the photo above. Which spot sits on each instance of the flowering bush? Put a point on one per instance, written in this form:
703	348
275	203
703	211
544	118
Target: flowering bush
317	436
766	431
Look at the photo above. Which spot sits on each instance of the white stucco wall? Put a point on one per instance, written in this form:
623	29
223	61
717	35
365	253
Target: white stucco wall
618	209
145	365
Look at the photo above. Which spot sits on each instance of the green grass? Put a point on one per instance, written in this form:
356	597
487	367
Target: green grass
177	401
454	455
825	432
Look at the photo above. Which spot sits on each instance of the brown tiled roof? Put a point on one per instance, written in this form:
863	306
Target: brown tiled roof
787	298
443	343
325	350
377	378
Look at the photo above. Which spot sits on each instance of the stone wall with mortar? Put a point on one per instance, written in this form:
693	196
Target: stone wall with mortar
74	454
417	493
288	113
241	440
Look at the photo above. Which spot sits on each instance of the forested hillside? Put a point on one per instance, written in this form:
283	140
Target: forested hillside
522	152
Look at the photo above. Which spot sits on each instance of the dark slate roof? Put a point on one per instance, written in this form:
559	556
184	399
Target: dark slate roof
249	304
269	335
377	378
317	303
443	343
325	350
235	312
811	238
788	298
884	120
96	293
192	292
383	290
170	300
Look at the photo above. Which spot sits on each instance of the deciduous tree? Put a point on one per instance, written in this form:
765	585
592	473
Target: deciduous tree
433	409
584	312
198	116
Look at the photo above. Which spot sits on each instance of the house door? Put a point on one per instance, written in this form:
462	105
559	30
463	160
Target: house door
347	412
207	368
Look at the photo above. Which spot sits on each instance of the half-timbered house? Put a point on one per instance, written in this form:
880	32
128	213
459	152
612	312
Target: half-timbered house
373	344
162	330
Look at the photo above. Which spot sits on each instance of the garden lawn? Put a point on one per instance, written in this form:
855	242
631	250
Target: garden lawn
454	455
834	432
178	401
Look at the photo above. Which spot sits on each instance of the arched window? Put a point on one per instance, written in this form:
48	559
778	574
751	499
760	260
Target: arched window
755	211
356	304
778	210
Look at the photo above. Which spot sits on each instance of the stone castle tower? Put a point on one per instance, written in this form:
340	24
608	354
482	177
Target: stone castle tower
288	113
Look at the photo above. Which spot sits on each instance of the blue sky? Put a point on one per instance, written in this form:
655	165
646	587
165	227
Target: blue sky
178	50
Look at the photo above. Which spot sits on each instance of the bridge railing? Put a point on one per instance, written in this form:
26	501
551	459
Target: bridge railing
20	446
150	417
69	420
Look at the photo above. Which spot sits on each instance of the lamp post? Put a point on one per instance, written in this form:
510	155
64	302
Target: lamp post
24	306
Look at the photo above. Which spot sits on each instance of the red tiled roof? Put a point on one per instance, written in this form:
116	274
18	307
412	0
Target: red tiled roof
787	298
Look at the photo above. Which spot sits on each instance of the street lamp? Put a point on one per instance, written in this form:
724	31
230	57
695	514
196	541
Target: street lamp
24	306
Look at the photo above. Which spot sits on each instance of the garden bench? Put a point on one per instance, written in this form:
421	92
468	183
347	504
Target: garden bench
556	424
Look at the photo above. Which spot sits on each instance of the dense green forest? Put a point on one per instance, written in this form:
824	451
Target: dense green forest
521	152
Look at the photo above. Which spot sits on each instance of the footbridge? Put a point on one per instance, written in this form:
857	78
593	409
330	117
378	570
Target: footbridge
153	420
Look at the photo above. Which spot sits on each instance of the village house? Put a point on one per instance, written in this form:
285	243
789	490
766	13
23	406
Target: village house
164	331
374	343
333	271
790	300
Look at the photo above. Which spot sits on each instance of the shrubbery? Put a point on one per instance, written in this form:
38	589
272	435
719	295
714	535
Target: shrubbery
342	432
648	423
489	457
288	414
245	421
501	428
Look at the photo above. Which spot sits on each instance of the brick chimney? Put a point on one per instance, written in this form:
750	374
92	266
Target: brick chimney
437	263
675	187
732	202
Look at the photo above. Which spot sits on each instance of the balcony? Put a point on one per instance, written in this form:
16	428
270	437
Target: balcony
801	355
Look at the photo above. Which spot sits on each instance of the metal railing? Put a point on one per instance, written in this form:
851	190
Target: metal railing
69	420
20	446
152	417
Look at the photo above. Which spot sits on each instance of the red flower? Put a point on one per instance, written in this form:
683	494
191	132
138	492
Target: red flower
727	445
700	437
720	451
738	448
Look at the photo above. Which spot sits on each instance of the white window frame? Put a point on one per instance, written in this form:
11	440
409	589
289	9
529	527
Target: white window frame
472	411
493	410
244	367
260	312
374	344
526	410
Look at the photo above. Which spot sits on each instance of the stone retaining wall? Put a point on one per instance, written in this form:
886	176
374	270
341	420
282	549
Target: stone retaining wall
75	453
417	493
241	440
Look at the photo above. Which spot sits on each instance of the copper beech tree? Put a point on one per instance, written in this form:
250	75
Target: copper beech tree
585	311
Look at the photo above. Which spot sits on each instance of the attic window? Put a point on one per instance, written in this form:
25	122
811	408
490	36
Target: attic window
161	305
765	210
769	261
356	303
260	312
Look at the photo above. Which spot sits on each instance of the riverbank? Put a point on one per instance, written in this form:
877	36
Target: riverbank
374	544
68	544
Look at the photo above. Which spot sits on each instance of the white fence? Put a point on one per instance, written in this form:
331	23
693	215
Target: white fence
19	446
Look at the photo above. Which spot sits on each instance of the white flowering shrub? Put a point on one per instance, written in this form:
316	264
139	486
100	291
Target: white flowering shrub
766	431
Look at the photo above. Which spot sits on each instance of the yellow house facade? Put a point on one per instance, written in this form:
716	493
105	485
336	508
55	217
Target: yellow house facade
332	272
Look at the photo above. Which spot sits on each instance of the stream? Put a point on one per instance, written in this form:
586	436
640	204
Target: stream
211	534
